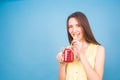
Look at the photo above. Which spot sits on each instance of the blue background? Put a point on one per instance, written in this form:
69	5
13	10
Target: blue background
32	32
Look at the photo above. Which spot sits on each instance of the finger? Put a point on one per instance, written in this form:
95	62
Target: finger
75	42
60	57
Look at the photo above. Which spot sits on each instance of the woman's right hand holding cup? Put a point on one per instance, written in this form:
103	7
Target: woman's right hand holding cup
61	55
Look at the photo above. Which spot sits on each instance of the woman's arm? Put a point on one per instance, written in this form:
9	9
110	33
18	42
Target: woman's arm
62	66
61	75
97	72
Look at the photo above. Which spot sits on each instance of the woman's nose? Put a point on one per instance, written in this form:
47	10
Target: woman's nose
74	30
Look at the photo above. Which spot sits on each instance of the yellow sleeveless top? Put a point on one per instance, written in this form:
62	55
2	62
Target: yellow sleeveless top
75	70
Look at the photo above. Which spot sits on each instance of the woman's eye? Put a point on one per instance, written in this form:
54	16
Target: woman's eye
78	25
69	26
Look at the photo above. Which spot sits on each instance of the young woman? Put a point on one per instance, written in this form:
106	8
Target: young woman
90	55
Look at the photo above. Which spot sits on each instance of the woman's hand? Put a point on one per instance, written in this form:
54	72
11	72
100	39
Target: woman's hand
60	55
77	48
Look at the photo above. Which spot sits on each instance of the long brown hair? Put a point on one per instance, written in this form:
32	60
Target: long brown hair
83	21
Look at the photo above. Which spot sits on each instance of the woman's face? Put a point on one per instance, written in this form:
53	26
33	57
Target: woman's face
75	29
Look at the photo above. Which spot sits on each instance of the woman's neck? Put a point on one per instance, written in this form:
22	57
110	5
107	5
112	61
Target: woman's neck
84	44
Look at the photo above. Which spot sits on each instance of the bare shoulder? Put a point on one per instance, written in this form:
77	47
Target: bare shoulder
101	48
100	51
